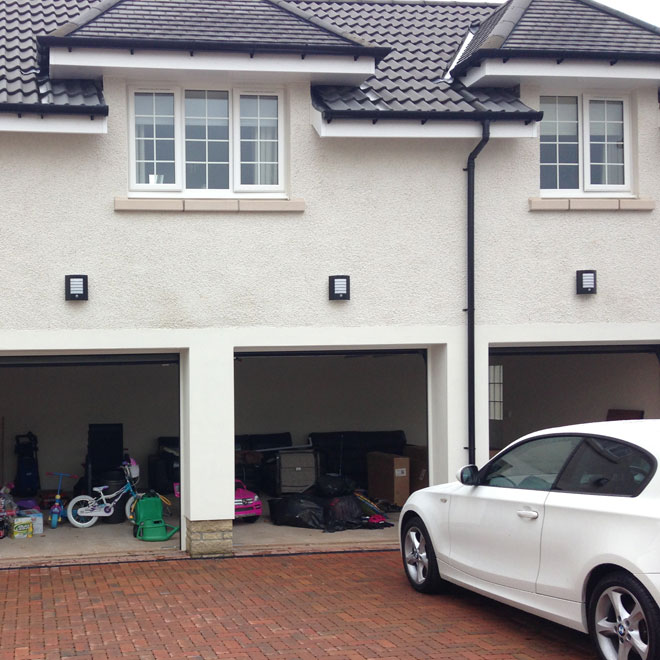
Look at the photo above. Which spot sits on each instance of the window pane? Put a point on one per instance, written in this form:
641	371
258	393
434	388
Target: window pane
268	106
567	108
207	119
268	175
164	150
219	177
548	131
533	465
548	153
569	177
597	110
615	175
167	170
144	104
144	149
614	132
218	129
548	177
249	106
248	151
196	151
597	131
195	103
615	153
164	104
607	467
144	127
195	129
548	107
268	129
614	111
249	129
195	175
248	174
165	127
218	152
598	174
143	170
217	104
597	152
568	131
568	153
268	152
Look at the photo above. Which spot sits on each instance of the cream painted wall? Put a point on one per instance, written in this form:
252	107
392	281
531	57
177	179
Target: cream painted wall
57	403
331	393
552	390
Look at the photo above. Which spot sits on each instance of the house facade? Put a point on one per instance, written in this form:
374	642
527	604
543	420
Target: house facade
485	175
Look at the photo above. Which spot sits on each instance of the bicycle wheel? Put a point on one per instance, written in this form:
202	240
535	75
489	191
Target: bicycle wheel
130	509
77	503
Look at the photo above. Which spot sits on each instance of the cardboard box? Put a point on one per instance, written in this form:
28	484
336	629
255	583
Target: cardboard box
389	477
36	517
21	528
419	466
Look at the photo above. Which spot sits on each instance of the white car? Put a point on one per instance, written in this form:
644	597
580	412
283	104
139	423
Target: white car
563	523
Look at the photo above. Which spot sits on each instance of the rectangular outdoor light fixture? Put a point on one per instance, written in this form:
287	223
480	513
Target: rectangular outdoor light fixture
75	287
585	281
340	287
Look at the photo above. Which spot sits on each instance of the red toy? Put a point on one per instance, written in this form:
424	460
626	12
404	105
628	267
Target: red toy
247	505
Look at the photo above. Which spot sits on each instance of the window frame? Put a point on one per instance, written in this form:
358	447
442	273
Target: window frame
236	189
585	187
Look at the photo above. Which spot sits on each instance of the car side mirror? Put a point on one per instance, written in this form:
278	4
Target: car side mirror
468	475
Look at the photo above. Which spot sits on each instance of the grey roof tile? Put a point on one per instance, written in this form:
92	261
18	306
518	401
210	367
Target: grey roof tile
424	37
21	21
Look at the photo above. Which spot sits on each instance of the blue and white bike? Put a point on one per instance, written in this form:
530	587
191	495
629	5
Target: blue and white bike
85	510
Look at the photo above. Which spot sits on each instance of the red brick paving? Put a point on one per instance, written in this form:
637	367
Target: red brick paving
299	607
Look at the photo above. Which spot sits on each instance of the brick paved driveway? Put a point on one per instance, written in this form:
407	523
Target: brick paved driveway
343	606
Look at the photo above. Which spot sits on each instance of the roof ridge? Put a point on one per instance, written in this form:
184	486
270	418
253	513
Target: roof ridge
84	17
512	12
314	20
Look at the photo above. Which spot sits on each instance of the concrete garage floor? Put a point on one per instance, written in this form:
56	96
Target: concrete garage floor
104	542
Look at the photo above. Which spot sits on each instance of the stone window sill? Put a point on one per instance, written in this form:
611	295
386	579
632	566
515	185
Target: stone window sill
211	205
590	204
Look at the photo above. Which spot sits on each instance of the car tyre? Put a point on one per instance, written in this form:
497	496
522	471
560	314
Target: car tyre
624	620
418	556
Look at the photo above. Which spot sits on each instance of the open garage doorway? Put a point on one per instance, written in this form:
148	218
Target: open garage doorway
69	403
301	416
541	387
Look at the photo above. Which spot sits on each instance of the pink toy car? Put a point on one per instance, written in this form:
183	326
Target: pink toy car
247	505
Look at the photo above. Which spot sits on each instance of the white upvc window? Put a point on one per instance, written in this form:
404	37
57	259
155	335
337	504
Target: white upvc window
585	145
206	142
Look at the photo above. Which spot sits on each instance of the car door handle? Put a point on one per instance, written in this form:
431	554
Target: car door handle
528	513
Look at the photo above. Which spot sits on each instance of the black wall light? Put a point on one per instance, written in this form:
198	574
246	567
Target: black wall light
75	287
340	287
585	281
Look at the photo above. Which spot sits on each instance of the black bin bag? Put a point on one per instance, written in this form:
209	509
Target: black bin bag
296	510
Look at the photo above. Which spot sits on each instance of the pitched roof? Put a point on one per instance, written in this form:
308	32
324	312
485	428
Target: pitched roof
561	28
266	25
409	82
21	85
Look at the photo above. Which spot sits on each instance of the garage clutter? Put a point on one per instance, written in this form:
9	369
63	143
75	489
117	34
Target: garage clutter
341	480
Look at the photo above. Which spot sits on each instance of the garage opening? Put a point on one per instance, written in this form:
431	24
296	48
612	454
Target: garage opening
542	387
313	427
84	416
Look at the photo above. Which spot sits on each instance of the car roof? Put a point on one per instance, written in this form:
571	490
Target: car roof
642	432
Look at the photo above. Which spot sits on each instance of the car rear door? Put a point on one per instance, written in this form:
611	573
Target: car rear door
495	527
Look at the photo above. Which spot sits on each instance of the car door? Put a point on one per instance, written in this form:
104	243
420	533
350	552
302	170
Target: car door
495	527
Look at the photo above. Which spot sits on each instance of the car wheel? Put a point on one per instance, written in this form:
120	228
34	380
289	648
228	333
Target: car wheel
419	558
624	620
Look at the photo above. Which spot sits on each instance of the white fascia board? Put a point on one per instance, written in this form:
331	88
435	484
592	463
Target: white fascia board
409	128
49	123
92	63
622	74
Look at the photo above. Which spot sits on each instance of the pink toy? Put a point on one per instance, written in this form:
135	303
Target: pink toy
247	505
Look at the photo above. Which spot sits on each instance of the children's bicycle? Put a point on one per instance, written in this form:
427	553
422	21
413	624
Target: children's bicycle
57	511
85	510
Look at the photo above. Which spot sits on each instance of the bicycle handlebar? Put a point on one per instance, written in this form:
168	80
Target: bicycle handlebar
61	474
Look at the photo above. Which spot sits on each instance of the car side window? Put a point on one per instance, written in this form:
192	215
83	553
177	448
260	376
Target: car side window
532	465
603	466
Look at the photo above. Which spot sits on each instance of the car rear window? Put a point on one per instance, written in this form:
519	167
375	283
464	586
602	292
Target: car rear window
604	466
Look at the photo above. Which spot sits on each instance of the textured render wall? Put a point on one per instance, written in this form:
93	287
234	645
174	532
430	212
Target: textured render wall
389	213
526	261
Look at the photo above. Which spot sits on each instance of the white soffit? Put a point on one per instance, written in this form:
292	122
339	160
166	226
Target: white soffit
49	123
619	74
91	63
410	128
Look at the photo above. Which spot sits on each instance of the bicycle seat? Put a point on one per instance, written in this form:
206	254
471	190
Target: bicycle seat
100	489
